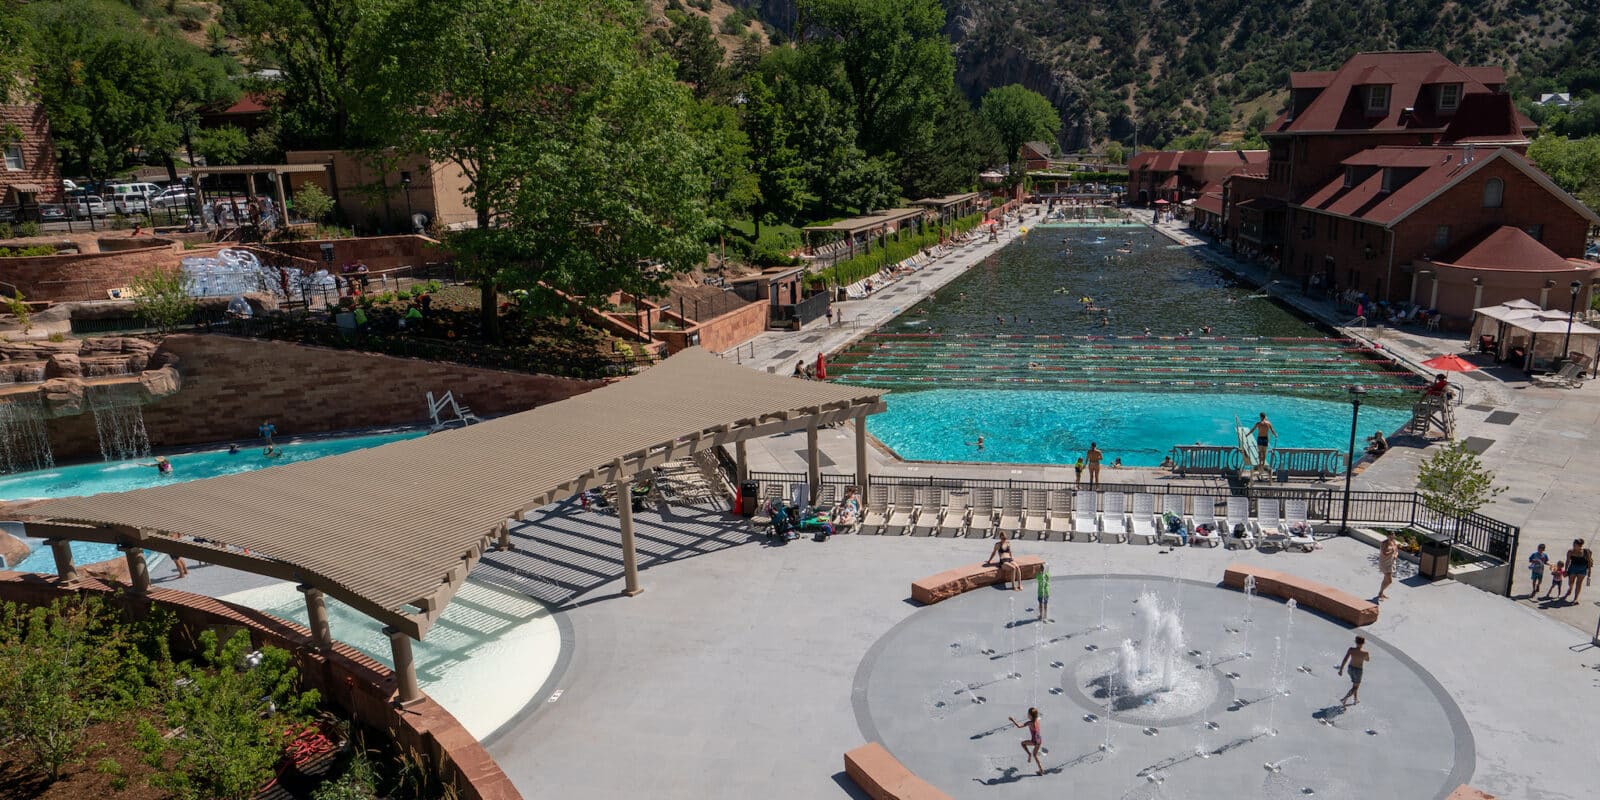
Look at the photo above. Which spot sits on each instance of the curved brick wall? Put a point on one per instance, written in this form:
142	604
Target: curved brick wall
348	680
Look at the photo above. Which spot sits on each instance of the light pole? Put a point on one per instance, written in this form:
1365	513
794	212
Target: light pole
411	220
1572	311
1356	393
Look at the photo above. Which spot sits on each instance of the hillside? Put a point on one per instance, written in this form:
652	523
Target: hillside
1180	66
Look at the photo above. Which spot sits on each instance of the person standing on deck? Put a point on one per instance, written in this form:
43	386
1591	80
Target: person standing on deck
1264	433
1094	456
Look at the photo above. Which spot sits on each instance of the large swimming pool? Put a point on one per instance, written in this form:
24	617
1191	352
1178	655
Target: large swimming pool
1012	351
122	476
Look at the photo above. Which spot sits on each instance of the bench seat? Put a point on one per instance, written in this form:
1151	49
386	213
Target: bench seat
951	582
1336	603
883	777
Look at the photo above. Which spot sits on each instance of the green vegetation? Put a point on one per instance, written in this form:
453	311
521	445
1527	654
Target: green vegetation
1454	482
30	250
163	298
850	270
19	308
1574	164
1019	115
313	203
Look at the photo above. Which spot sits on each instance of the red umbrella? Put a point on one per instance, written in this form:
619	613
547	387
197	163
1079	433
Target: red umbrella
1450	363
822	367
1161	202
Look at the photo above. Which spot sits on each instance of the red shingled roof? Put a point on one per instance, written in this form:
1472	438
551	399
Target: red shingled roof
1196	158
1310	80
248	103
1367	200
1507	248
1341	107
1210	199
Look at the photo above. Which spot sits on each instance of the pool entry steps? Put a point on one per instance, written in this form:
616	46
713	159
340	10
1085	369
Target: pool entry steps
1315	366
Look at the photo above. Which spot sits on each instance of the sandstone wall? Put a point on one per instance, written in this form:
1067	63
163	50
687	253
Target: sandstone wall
231	384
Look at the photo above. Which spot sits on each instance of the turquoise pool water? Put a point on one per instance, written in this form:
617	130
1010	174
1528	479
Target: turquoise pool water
42	560
1021	426
122	476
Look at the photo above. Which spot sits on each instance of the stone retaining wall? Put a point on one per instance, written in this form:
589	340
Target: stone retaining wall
231	384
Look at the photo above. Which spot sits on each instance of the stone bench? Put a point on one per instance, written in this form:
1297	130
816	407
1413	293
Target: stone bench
1333	602
1468	793
951	582
883	777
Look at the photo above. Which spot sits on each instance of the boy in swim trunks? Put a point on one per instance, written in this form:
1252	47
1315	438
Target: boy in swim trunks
1042	583
1356	657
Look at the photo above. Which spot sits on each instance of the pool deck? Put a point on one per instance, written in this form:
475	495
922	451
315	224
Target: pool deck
1536	439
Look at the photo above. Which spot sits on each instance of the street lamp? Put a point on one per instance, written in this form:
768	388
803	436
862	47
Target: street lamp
1572	311
405	181
1356	393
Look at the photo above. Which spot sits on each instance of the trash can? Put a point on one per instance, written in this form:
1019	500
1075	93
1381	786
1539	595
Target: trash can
748	492
1435	558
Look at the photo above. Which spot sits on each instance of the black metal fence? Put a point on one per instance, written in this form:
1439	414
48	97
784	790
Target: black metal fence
1475	534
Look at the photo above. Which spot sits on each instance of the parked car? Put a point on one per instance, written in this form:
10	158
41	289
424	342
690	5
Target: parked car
52	212
9	214
130	204
175	197
143	190
83	205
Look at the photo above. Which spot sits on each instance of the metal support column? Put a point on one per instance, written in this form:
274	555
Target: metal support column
405	669
813	462
861	454
138	570
504	542
65	569
630	559
317	616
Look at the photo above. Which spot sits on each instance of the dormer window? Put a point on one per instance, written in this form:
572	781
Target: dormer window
1388	179
1349	177
1378	99
1449	97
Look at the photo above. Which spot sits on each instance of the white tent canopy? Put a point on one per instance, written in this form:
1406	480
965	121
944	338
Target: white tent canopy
1533	337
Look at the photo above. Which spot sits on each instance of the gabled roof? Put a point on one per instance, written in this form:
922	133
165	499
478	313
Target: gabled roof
1441	168
1506	248
1340	107
1484	118
1041	148
1310	80
1197	158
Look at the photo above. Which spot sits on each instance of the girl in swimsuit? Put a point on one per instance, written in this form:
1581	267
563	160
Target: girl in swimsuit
1035	741
1001	556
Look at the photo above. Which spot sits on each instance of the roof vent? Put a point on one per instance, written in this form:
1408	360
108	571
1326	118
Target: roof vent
1466	156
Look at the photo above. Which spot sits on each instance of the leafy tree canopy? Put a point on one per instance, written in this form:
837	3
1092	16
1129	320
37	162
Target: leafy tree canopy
1018	115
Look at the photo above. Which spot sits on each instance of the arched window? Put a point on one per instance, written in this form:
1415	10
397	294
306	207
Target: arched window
1493	192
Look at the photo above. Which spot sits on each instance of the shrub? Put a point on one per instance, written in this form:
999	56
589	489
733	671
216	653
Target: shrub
5	230
31	250
28	230
734	22
312	203
849	271
21	310
163	298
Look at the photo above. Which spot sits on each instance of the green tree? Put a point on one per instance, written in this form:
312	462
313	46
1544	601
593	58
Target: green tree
1574	164
1116	153
1018	115
888	60
695	49
191	81
313	44
312	203
779	172
163	298
1454	482
15	52
963	145
231	741
575	144
222	145
99	75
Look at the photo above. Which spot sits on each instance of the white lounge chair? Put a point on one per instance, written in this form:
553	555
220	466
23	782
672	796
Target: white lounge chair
1060	514
1085	519
904	513
1114	517
1036	516
1011	512
980	525
957	510
1144	525
931	501
1238	519
1205	513
876	512
1295	513
1269	520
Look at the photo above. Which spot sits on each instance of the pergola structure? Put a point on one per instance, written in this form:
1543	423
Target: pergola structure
277	171
878	225
393	530
950	206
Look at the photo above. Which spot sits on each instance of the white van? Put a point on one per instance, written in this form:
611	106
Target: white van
145	190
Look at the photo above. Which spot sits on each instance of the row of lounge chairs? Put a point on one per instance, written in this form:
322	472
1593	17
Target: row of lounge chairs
892	272
1079	516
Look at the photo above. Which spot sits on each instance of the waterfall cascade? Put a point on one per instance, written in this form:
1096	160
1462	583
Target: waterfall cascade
119	421
24	440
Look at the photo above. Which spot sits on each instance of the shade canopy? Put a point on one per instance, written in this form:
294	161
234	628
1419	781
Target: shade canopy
393	530
1450	363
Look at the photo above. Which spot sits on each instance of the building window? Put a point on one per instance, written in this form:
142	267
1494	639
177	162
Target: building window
1536	231
1441	238
14	157
1449	96
1493	193
1388	179
1349	177
1378	99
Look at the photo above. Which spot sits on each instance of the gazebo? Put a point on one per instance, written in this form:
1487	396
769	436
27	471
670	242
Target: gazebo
1533	338
393	531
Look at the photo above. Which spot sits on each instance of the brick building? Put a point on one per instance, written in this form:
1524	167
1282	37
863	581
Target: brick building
1392	161
1179	175
29	174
